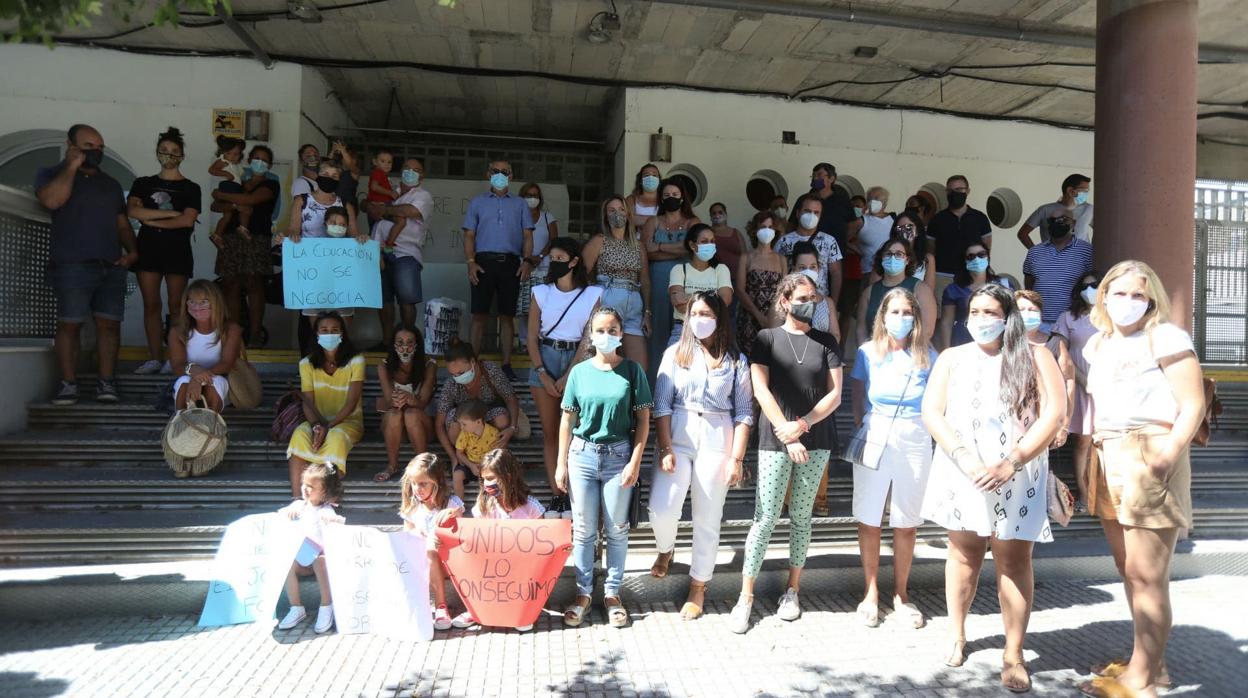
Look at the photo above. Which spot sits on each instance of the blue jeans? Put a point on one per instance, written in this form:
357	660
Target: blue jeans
594	482
401	280
556	361
626	300
84	289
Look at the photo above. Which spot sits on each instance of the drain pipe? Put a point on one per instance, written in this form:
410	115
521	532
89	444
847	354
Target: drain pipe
937	25
239	31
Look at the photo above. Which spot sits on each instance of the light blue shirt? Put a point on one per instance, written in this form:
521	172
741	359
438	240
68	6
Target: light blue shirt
723	390
499	222
894	385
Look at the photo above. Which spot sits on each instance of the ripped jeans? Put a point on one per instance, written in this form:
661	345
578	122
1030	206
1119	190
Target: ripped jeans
594	472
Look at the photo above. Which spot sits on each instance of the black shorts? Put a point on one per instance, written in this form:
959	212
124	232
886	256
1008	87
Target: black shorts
497	280
165	252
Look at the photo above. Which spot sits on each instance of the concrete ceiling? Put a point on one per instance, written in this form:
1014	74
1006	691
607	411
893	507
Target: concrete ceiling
474	52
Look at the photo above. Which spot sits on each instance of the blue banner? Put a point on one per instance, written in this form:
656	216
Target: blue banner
331	273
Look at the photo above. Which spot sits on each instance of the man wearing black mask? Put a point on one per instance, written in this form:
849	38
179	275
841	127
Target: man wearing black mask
954	228
1053	267
838	218
88	267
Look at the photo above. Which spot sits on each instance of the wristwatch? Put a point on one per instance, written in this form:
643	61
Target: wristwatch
540	369
188	367
1014	463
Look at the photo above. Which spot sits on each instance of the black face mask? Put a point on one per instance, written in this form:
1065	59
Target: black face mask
1059	228
559	269
671	203
957	199
93	158
329	185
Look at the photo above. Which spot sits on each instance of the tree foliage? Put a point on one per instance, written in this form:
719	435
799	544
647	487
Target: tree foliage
42	20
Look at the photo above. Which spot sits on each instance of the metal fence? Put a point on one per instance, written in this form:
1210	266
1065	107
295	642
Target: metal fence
27	305
1220	329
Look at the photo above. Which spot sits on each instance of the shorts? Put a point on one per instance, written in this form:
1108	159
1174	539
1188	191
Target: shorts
626	299
88	288
556	362
461	468
1137	496
497	280
400	280
165	252
904	465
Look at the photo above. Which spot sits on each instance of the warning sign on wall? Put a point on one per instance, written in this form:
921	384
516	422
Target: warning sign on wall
228	122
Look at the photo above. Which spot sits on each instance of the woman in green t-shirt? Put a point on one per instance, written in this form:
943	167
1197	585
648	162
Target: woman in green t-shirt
602	435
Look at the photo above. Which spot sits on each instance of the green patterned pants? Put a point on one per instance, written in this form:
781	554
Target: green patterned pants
775	468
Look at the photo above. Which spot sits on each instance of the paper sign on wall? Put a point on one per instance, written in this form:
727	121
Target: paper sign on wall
250	569
505	570
228	122
331	273
380	582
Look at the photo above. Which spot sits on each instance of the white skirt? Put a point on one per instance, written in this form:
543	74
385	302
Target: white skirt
220	383
904	467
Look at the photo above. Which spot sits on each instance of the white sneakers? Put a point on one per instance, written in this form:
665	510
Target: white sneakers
297	614
441	618
464	620
789	608
294	616
739	618
324	620
149	367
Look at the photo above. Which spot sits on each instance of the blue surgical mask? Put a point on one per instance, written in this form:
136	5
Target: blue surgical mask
893	265
606	343
1081	198
329	342
857	212
649	183
411	178
1031	319
977	265
336	230
705	251
899	326
985	330
499	181
259	166
466	377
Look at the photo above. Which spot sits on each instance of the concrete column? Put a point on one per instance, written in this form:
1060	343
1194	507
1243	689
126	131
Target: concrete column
1145	169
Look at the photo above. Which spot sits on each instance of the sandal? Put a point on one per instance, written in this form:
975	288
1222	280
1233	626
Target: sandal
958	656
616	615
820	509
385	475
1104	687
909	610
659	569
1014	677
1115	668
574	615
869	613
691	610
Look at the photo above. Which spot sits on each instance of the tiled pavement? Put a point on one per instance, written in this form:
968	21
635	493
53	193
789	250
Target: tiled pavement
826	652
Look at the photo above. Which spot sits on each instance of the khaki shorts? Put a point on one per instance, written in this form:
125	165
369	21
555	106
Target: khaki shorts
1129	491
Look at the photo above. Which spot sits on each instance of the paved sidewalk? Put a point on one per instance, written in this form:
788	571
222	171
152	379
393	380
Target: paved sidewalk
826	652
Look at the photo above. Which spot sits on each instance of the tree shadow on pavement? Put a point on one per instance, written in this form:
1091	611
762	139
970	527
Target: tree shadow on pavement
24	684
605	676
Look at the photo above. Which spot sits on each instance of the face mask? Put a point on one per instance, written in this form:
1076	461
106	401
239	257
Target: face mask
617	219
329	342
606	343
816	184
336	230
649	183
329	185
1031	319
93	158
1125	311
803	312
311	161
558	270
899	326
857	212
765	236
199	313
705	251
671	203
410	177
894	266
1089	295
719	220
532	201
168	161
876	205
499	181
491	488
812	274
1059	228
978	265
957	199
809	220
985	330
781	212
702	327
1081	198
405	355
259	166
466	377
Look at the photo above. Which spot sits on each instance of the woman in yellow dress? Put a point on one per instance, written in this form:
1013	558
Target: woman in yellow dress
331	378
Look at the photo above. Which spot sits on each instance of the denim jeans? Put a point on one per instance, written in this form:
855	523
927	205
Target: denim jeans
594	472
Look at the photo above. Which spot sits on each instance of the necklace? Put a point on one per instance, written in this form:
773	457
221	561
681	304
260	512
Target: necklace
792	348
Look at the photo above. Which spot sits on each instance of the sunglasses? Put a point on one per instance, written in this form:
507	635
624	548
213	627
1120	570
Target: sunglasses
908	227
976	255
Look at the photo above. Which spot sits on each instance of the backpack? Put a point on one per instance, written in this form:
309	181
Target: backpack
289	410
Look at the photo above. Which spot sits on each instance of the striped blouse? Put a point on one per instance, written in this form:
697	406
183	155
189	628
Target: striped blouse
723	390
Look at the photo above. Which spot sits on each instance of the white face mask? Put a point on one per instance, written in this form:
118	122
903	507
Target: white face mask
1125	311
702	327
812	274
876	205
765	236
532	201
809	220
1089	295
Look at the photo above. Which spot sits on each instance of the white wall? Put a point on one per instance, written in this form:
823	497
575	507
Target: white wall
729	137
321	105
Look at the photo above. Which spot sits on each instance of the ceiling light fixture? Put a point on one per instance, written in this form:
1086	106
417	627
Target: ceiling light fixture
601	25
303	11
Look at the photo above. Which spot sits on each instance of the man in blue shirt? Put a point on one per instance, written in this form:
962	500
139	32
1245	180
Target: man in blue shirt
498	240
88	267
1053	267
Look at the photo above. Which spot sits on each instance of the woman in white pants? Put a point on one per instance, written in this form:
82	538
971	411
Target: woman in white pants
703	410
890	377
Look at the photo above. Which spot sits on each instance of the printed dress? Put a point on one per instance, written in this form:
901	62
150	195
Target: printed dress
760	286
1019	508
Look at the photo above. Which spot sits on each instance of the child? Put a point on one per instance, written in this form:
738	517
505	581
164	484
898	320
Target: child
322	489
379	190
229	167
337	221
504	493
476	438
426	504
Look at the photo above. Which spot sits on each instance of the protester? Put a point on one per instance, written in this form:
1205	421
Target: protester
498	242
703	412
877	228
232	171
993	406
561	307
309	167
618	262
890	376
1053	267
779	208
348	183
809	209
922	206
166	205
909	225
1145	380
320	489
331	378
1031	309
976	272
602	437
400	230
476	438
1074	328
643	203
474	379
88	267
664	237
504	493
805	260
545	229
407	378
894	263
243	262
730	243
203	347
426	504
836	217
757	276
1073	204
798	390
701	271
954	229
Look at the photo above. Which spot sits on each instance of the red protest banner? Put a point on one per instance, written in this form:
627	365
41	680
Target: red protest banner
505	570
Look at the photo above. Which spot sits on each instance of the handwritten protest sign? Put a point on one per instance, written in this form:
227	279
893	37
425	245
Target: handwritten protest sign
505	570
331	273
249	569
380	582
